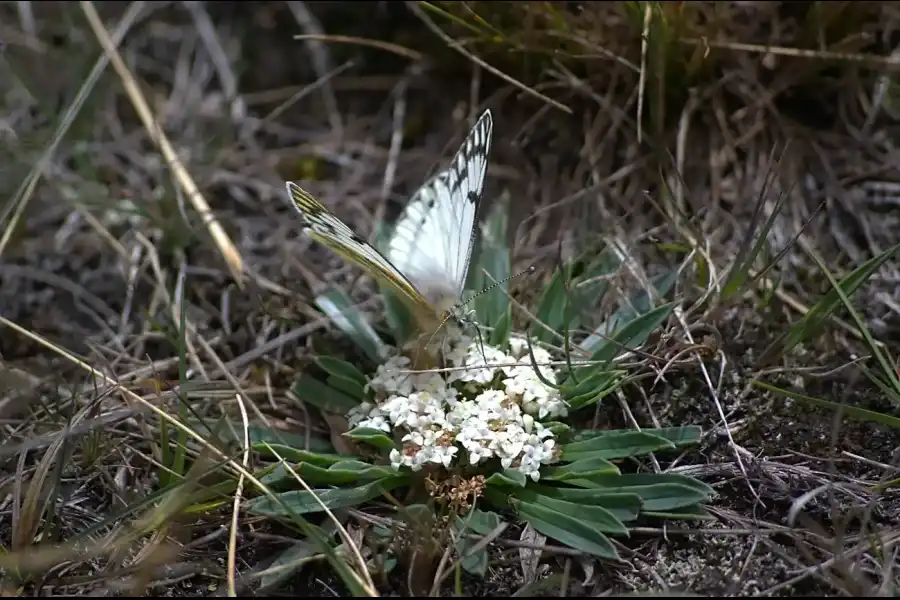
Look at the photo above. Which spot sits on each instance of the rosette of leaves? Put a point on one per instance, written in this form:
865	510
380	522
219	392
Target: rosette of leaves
580	500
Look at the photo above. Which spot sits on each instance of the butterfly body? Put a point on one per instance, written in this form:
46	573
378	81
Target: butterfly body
427	257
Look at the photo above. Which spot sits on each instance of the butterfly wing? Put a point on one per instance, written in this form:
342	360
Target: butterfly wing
324	227
433	239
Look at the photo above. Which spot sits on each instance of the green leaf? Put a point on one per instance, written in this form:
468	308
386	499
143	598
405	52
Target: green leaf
502	329
231	431
584	291
292	454
398	316
343	376
558	428
492	307
507	477
347	386
340	368
340	310
602	519
610	380
657	491
381	564
568	530
287	564
639	304
890	378
624	507
314	392
339	471
375	437
599	380
680	436
303	502
628	338
551	307
358	465
589	287
616	444
481	523
694	511
277	475
335	475
317	476
587	467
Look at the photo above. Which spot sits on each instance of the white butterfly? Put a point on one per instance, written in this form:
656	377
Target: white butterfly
430	248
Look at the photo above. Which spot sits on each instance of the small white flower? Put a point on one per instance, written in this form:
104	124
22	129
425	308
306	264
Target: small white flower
396	458
492	413
478	453
512	441
528	423
378	422
414	437
444	455
388	381
434	384
476	360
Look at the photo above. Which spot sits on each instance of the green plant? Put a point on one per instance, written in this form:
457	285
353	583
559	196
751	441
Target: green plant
484	441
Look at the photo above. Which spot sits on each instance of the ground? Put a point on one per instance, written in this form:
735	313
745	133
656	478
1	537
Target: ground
667	148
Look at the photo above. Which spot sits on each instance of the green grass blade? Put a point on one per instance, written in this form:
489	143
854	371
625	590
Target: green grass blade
746	255
884	362
827	305
851	411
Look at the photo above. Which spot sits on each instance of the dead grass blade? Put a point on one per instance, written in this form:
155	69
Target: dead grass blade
228	250
381	45
19	202
413	6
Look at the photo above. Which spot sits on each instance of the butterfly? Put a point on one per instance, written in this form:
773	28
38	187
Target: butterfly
428	254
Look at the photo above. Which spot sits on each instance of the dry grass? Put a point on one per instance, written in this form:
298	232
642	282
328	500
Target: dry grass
124	305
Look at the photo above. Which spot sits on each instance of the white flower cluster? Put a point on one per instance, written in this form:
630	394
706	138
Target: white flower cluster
486	406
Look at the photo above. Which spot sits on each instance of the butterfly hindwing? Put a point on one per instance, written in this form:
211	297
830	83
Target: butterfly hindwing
433	239
327	229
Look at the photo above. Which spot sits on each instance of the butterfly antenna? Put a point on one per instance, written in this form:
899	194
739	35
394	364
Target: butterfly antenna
450	314
530	269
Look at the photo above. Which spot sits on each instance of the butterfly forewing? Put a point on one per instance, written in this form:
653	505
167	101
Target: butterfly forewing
327	229
433	239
